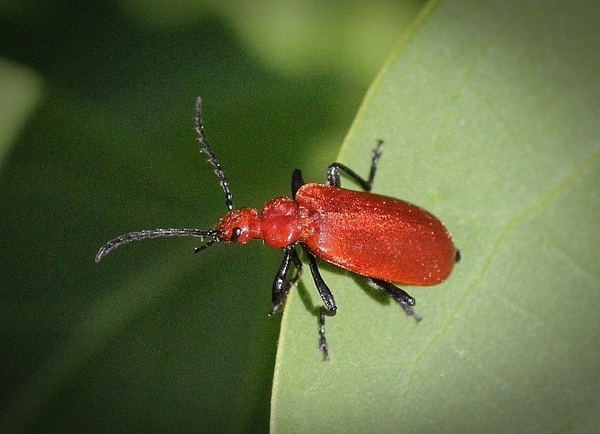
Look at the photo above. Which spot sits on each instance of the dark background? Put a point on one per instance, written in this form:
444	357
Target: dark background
155	339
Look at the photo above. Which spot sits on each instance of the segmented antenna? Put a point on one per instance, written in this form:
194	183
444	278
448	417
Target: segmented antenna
212	159
156	233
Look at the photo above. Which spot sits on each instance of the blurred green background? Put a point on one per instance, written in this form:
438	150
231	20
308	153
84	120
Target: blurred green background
96	139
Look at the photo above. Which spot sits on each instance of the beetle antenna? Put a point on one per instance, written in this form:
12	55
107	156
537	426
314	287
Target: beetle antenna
156	233
212	159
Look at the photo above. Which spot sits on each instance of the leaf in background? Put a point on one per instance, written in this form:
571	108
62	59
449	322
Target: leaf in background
20	90
110	347
490	116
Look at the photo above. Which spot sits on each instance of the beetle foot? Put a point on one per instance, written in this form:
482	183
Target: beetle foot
276	308
323	346
410	311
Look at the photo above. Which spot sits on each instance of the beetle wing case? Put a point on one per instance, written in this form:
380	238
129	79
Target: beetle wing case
377	236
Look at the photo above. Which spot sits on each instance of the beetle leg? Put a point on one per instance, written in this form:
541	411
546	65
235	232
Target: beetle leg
322	287
323	346
297	182
330	306
283	283
333	172
401	296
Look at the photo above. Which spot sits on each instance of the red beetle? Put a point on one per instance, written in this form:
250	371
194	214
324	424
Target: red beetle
382	238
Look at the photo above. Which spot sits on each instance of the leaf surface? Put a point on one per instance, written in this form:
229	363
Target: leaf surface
489	112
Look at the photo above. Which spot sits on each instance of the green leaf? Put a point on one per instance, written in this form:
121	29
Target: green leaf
20	90
489	112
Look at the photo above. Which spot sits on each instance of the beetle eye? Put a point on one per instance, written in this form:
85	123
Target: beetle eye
235	234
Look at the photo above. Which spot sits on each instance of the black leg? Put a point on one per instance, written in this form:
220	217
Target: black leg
328	300
297	182
283	283
333	172
323	346
322	287
401	296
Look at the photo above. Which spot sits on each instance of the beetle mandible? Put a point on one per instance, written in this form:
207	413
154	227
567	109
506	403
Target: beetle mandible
382	238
